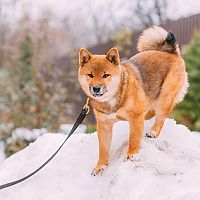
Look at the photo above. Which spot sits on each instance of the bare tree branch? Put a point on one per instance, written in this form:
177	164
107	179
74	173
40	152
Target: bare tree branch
152	15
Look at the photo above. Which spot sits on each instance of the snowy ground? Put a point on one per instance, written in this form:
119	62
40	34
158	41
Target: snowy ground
167	168
2	156
32	135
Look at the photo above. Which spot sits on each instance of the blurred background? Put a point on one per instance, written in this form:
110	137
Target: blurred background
39	43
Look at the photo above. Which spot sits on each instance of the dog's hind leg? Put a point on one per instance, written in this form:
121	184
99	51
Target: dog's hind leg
136	124
166	101
149	114
160	114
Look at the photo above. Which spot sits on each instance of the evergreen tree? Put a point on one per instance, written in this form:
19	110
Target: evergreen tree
24	83
34	97
39	99
26	72
188	111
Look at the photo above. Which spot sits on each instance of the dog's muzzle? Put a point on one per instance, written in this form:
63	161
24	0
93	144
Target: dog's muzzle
97	90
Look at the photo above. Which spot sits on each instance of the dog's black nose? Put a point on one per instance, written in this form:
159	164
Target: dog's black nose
96	89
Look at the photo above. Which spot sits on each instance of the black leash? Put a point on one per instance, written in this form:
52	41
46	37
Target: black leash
79	120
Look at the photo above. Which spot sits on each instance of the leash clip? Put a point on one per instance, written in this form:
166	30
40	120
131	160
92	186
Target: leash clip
86	106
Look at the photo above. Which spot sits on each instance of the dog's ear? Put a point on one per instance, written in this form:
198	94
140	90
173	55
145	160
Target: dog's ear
113	56
84	56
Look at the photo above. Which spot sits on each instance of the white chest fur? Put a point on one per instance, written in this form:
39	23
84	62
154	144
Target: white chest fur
112	102
112	116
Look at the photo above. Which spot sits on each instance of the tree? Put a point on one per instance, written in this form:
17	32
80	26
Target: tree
32	99
188	111
4	27
98	21
151	12
41	98
123	41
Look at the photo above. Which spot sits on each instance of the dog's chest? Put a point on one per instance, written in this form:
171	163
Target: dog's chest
119	114
112	102
112	116
110	110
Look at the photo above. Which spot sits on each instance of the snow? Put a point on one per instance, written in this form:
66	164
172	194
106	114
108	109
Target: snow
166	168
65	128
27	134
2	155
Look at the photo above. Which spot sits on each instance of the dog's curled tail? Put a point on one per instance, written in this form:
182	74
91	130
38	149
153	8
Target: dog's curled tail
158	39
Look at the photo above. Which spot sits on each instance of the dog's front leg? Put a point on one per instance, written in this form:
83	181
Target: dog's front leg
104	131
136	125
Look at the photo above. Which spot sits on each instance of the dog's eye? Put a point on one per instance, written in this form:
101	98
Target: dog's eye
90	75
106	75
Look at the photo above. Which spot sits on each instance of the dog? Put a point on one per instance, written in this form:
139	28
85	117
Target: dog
149	84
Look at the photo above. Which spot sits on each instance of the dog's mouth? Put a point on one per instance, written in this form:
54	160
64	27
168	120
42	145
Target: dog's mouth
97	95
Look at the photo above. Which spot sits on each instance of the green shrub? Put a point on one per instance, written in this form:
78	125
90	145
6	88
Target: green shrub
188	111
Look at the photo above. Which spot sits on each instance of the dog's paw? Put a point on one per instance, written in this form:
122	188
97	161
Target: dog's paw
99	170
151	134
130	156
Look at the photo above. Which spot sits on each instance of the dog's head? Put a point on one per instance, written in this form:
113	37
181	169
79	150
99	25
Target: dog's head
99	75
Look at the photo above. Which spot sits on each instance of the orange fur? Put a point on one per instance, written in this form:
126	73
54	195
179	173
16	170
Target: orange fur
148	84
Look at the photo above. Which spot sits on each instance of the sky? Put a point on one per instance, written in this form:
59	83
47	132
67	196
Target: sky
82	11
177	8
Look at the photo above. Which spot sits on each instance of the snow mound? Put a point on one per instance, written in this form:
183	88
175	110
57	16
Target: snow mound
165	168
